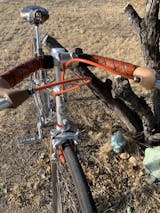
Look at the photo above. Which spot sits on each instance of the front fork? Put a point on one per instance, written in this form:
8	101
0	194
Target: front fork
63	131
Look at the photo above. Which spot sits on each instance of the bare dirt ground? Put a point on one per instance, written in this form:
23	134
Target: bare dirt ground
118	181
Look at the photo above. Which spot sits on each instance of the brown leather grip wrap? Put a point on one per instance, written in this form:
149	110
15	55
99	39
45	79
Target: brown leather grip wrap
15	97
16	74
4	84
121	67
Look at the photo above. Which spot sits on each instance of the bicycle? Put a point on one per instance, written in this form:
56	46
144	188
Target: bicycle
49	92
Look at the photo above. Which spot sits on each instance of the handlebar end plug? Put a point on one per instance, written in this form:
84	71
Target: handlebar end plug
137	79
78	51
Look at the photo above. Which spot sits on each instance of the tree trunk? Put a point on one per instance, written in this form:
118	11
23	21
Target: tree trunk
148	32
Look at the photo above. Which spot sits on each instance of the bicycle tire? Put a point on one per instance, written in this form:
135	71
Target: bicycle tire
84	202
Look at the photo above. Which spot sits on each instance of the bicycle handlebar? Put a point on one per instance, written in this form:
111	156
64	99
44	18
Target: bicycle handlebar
16	74
115	66
111	65
4	103
13	98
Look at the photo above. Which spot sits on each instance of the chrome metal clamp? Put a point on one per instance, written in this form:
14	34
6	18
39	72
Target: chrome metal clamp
60	56
58	137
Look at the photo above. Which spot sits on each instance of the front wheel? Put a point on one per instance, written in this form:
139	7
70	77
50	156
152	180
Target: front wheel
71	193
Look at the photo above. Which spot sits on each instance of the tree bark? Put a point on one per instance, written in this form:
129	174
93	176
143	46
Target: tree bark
147	30
103	91
123	90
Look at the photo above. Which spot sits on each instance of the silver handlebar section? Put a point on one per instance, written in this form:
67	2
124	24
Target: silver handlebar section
157	84
4	103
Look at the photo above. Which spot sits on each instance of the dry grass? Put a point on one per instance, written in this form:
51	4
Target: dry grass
97	27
